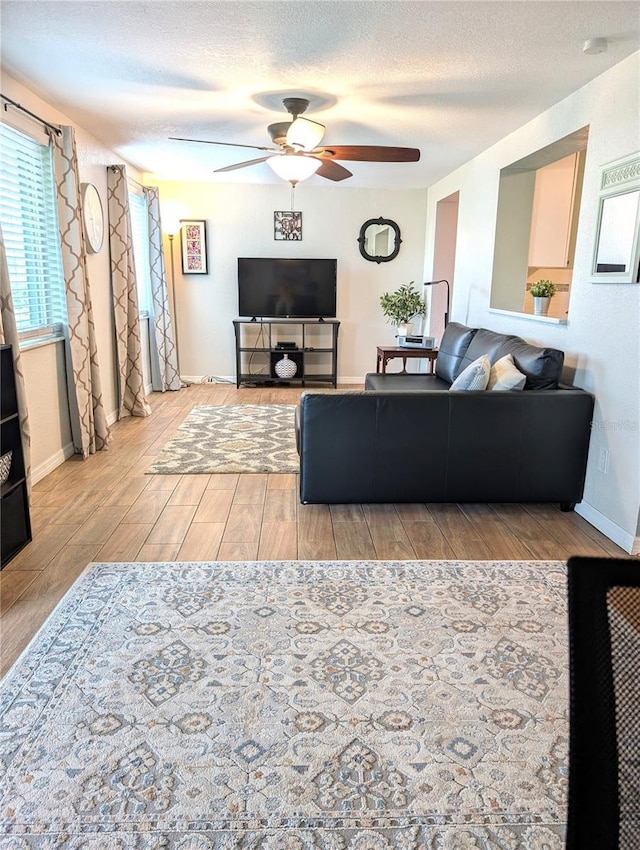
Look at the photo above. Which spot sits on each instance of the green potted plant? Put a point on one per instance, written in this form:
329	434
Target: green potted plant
401	306
542	291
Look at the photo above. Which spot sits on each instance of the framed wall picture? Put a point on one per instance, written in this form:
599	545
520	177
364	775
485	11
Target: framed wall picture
287	225
193	245
616	254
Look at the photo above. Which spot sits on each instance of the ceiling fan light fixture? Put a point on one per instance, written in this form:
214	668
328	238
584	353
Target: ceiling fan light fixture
304	134
294	167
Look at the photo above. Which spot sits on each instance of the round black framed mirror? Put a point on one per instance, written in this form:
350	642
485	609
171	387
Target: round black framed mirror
379	240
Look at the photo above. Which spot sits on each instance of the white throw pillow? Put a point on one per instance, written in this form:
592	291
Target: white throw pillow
505	376
474	377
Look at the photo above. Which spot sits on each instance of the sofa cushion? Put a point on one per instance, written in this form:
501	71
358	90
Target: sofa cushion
474	377
485	342
453	347
542	366
504	376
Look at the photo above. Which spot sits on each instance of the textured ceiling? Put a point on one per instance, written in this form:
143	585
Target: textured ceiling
449	78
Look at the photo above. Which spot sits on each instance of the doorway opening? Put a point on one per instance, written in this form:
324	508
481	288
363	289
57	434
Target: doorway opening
444	261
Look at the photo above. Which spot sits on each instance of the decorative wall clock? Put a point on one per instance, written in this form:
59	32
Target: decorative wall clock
92	217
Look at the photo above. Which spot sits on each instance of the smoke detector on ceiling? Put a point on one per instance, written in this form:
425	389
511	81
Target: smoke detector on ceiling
595	45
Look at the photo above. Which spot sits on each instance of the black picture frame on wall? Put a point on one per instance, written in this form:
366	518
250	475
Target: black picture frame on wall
287	225
193	246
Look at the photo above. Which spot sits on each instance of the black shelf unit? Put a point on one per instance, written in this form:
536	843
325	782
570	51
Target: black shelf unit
315	354
15	520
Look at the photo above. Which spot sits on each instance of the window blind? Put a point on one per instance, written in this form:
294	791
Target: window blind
140	241
30	227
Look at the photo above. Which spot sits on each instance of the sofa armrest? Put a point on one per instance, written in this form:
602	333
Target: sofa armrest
400	382
337	439
372	446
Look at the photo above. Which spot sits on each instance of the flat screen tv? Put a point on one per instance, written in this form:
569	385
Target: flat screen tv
286	288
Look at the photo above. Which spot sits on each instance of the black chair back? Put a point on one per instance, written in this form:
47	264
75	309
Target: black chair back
604	740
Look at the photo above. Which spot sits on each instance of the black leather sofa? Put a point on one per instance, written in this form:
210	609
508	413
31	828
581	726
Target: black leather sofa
408	438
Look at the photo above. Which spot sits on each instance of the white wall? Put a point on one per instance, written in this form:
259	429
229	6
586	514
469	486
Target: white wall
240	224
45	366
513	222
602	338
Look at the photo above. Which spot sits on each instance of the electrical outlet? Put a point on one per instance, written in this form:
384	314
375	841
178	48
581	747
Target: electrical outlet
603	461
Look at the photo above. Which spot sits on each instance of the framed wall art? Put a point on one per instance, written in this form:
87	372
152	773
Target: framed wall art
616	255
287	225
193	245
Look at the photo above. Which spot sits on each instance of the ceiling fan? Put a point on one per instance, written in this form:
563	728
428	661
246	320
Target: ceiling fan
298	154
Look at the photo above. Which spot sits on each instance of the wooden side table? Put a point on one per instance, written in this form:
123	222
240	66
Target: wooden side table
386	353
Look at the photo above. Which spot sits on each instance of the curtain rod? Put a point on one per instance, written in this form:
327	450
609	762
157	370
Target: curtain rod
28	112
129	178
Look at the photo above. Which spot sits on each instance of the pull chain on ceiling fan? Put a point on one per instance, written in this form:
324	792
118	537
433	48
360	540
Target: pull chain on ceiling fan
298	154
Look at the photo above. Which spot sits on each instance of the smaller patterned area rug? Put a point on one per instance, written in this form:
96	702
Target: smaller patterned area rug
407	705
232	438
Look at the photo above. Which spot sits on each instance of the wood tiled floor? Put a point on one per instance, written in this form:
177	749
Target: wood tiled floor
107	509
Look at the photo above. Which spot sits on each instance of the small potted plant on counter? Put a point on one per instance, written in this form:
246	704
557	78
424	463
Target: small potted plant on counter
401	306
542	291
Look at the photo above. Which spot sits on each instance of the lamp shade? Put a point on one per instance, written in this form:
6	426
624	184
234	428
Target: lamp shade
304	134
170	214
294	167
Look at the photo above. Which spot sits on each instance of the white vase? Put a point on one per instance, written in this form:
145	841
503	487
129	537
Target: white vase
285	368
404	329
541	305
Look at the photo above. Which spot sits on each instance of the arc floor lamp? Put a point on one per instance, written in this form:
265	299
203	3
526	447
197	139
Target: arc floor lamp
433	283
172	214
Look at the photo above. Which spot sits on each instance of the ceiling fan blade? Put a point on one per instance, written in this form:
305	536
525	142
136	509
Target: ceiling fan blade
226	144
370	153
333	171
242	164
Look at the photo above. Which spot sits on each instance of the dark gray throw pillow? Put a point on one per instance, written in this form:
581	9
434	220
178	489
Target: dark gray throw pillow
542	366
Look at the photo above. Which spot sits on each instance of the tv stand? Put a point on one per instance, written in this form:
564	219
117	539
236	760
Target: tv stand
315	353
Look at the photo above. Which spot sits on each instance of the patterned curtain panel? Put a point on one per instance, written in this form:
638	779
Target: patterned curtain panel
9	335
125	298
88	419
164	359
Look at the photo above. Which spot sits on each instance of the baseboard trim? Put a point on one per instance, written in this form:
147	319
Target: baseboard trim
609	528
203	379
43	469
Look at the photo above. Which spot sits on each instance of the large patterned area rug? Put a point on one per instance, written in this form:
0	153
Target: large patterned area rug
232	438
292	706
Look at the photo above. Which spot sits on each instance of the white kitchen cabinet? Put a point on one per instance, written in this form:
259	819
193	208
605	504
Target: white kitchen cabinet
554	216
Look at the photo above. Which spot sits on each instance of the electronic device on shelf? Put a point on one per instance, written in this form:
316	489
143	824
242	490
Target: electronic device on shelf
287	288
287	346
417	341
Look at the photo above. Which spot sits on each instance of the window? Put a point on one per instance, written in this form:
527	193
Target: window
140	241
30	227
